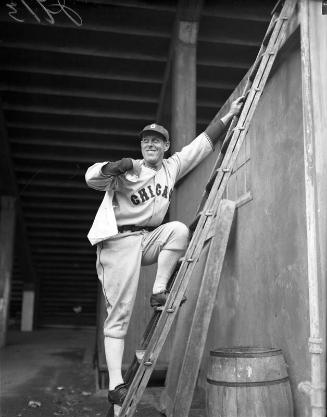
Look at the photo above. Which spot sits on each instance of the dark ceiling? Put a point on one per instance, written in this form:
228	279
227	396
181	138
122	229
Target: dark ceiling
72	95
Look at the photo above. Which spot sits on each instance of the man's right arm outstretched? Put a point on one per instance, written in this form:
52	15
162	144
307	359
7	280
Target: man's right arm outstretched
102	175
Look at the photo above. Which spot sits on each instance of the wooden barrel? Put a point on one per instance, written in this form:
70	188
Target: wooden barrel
248	382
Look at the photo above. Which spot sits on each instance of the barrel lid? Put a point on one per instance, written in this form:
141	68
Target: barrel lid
245	352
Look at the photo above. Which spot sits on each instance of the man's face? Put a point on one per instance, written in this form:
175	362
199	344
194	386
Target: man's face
153	148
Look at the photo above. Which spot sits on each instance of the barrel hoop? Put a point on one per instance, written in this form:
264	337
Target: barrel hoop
247	384
238	354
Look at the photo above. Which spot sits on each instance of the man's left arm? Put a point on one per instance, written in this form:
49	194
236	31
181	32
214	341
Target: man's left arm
217	126
193	153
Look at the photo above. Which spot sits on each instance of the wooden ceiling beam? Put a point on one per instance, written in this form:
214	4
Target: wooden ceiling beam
76	216
64	300
110	146
50	242
217	85
77	207
129	55
34	155
229	40
70	237
58	226
64	251
223	63
52	91
73	112
156	6
81	74
55	128
71	268
64	279
45	193
98	28
59	261
72	171
63	258
209	104
56	183
252	13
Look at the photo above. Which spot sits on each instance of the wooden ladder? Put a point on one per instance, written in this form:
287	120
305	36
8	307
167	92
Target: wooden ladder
211	215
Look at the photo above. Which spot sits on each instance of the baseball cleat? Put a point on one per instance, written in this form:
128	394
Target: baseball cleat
159	299
118	395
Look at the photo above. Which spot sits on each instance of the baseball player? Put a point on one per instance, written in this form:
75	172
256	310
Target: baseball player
128	233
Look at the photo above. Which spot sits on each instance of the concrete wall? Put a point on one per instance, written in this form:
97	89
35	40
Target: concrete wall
263	296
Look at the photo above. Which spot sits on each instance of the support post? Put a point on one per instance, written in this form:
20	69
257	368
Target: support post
7	234
183	128
8	185
183	112
28	302
184	83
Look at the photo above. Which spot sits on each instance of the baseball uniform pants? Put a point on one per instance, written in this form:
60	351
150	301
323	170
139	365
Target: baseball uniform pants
119	261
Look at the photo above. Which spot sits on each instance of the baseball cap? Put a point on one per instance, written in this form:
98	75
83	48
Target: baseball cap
154	127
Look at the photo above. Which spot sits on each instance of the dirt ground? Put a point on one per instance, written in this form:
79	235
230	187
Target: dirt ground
50	373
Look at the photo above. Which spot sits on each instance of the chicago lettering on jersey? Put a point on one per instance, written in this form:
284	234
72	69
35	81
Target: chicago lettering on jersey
144	194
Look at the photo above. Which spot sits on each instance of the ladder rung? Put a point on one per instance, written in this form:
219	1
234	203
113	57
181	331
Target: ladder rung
161	308
189	260
139	353
192	226
214	175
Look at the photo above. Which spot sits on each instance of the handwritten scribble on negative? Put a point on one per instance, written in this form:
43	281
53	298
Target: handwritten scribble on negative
17	9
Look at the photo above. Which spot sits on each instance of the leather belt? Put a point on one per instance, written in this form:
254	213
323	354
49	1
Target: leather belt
133	228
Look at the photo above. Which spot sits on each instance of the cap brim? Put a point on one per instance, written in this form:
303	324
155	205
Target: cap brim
154	131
